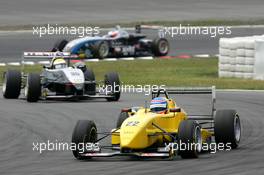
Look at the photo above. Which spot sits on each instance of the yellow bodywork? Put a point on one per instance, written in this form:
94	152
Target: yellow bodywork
138	131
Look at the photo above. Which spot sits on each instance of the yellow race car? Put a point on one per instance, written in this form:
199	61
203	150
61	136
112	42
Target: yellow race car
161	130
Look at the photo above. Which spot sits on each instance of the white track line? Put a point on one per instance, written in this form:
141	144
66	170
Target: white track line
91	60
110	59
145	58
127	58
14	64
43	62
202	56
31	63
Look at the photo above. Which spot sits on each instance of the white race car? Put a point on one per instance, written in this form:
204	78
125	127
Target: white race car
60	81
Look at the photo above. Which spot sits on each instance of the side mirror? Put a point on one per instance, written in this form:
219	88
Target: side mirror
175	110
4	73
126	110
137	29
46	66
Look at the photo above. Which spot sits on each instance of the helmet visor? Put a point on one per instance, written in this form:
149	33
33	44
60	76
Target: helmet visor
60	66
158	107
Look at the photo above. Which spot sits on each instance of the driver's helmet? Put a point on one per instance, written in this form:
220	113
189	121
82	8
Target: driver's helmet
80	65
158	105
113	34
59	63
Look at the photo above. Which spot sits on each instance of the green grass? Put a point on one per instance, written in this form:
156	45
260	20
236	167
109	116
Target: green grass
205	22
170	72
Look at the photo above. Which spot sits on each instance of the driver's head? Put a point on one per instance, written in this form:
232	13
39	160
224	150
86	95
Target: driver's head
113	34
59	63
158	105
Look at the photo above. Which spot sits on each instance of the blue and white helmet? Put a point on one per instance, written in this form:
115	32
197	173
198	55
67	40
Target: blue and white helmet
158	104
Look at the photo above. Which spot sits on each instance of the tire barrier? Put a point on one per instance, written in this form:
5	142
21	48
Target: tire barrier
241	57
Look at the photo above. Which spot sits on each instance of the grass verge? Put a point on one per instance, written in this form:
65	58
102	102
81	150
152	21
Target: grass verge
170	72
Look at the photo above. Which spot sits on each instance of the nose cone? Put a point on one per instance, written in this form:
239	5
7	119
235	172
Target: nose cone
134	131
133	137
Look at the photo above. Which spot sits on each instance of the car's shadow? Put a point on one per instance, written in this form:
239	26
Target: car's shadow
62	101
139	159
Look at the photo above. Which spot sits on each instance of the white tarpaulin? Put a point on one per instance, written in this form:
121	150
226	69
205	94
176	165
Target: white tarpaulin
259	60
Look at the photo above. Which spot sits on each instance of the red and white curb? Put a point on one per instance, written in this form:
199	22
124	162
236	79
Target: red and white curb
31	63
181	56
187	56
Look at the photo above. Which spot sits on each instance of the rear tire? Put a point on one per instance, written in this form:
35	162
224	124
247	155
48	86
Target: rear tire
84	132
227	128
12	84
101	50
189	133
122	117
112	81
89	76
160	47
59	45
33	88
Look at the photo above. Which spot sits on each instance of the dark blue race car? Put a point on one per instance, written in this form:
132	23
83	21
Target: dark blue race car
117	43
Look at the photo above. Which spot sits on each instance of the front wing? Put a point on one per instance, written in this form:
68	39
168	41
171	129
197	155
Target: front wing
135	154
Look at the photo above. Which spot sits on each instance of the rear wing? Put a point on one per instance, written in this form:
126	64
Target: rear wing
190	90
49	55
138	28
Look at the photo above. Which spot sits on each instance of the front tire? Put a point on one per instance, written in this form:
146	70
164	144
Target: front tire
112	84
227	128
33	87
189	134
59	45
89	76
84	132
121	118
12	84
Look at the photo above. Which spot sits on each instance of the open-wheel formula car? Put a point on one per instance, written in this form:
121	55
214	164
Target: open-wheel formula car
117	43
160	130
59	80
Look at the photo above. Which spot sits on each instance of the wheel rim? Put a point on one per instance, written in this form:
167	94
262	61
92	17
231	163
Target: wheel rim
103	50
163	47
26	89
237	129
4	86
198	139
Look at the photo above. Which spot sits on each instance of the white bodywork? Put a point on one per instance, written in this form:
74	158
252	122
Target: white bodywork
75	76
77	41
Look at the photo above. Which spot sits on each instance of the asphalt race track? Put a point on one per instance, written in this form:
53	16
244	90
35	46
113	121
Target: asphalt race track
14	12
13	44
23	123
